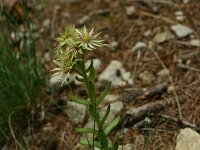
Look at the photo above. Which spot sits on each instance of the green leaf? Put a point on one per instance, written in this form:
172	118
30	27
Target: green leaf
105	116
103	139
79	79
103	93
112	125
78	100
91	72
93	112
91	91
90	143
115	144
86	130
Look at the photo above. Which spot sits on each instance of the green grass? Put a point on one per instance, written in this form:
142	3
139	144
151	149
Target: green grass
21	77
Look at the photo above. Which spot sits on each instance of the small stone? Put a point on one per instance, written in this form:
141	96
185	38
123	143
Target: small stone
116	107
178	13
195	42
188	139
113	72
147	77
163	75
126	147
76	112
45	26
47	56
130	10
180	18
147	33
138	46
186	1
113	45
163	37
181	30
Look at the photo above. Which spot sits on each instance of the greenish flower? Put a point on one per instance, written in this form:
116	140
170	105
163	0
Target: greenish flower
72	46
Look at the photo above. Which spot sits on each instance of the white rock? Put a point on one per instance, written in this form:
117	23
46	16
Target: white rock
195	42
96	63
180	18
116	107
47	56
114	72
113	45
163	37
178	13
148	32
138	46
163	75
181	30
127	147
76	112
147	77
188	139
130	10
186	1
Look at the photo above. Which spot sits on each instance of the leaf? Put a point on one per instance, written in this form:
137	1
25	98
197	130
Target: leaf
79	79
112	125
91	91
86	130
105	116
93	112
78	100
115	144
103	93
90	143
103	139
91	72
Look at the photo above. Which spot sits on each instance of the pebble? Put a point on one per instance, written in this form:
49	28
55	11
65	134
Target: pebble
138	46
181	31
195	42
163	75
147	33
114	73
147	77
113	45
83	20
76	112
163	37
188	139
179	15
130	10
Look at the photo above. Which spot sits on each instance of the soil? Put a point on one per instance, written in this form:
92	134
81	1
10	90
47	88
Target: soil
55	131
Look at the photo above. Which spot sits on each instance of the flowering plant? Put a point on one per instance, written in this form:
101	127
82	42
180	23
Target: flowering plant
69	56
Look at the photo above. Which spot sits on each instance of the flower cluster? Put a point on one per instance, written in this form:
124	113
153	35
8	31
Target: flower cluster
72	46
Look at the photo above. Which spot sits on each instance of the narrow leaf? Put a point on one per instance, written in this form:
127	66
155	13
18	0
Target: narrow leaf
79	79
112	125
78	100
86	130
90	143
91	72
103	93
92	92
103	139
105	116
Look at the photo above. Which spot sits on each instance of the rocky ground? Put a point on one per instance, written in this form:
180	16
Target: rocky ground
153	63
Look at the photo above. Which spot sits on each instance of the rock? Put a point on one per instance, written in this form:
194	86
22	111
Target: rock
109	99
163	37
138	46
147	77
163	75
188	139
181	30
127	147
179	15
195	42
45	26
47	56
186	1
96	63
147	33
113	45
55	82
114	73
76	112
116	107
130	10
